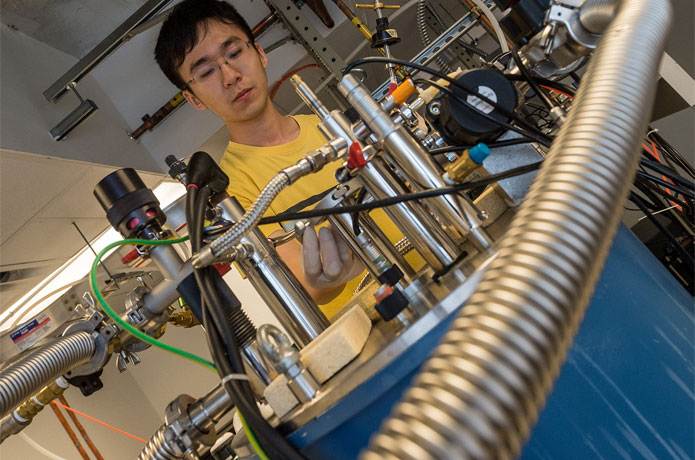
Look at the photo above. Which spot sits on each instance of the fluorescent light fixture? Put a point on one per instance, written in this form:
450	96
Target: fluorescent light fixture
76	268
72	270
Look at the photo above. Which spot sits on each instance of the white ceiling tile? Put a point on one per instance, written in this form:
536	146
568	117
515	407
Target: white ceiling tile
28	183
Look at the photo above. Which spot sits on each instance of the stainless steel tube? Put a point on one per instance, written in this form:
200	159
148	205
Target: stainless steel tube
595	15
411	218
165	292
167	260
371	245
480	393
28	375
278	287
415	164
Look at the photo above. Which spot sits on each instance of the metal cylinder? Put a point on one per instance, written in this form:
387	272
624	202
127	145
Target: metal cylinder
595	15
416	165
165	292
411	218
167	260
28	375
209	409
161	446
480	393
278	287
308	96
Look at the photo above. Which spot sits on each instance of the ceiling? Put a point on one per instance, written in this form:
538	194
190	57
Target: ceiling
37	228
71	26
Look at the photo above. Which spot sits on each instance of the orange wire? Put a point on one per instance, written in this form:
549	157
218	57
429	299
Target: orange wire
654	151
98	421
557	91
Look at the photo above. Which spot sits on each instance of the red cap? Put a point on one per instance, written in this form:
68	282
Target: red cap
356	157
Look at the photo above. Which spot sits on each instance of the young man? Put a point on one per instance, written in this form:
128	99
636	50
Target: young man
207	50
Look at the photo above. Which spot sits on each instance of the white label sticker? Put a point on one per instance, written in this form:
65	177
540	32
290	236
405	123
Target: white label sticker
479	103
27	335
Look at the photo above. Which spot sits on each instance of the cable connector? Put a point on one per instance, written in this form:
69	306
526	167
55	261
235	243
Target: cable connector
203	258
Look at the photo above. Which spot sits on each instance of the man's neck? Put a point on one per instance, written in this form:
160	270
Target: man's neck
268	129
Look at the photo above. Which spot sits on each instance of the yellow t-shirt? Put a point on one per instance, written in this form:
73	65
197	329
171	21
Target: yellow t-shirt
250	168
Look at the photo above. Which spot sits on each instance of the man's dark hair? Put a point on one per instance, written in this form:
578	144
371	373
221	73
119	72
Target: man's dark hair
179	33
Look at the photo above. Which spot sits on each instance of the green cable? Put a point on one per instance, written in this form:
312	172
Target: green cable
123	324
152	341
252	438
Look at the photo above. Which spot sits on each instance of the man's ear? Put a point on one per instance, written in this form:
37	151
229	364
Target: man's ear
193	100
262	55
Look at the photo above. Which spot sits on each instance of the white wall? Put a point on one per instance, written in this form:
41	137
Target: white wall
27	68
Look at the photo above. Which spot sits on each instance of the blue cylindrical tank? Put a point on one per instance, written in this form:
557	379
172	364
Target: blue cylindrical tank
626	390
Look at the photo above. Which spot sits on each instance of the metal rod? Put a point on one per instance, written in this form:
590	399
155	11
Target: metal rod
71	434
81	429
95	254
100	52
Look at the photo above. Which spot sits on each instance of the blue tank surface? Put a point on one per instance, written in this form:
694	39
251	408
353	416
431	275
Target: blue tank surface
626	390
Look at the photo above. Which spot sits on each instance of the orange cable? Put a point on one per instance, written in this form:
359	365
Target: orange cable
71	434
557	91
653	151
99	422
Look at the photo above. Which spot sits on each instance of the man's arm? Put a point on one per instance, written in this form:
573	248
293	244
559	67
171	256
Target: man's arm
323	264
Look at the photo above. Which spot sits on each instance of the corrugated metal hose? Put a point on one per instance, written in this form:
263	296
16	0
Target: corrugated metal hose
27	376
480	393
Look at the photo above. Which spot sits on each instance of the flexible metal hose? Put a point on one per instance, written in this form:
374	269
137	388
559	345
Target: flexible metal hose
160	448
420	15
480	393
27	376
595	15
249	220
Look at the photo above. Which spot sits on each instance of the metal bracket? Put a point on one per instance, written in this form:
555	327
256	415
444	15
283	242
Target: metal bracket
100	52
307	35
427	55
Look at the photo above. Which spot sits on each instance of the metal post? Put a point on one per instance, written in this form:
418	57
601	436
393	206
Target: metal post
279	288
415	164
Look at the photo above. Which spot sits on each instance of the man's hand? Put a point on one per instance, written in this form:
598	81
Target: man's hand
327	260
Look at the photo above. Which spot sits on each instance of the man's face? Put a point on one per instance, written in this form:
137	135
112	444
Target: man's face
235	91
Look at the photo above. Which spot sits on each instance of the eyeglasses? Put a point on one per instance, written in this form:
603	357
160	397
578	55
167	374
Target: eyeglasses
212	70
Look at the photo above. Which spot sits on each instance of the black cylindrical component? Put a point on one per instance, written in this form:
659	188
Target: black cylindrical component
462	125
130	206
243	328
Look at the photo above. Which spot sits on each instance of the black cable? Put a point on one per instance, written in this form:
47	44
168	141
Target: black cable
668	172
640	204
671	152
545	82
667	185
492	145
540	137
487	116
655	188
529	79
401	199
222	342
356	215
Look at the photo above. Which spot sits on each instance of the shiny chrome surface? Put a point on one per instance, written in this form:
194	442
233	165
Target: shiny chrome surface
31	373
411	218
386	342
278	287
480	393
